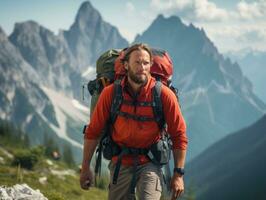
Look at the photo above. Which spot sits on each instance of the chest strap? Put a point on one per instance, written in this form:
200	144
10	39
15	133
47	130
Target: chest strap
135	117
138	103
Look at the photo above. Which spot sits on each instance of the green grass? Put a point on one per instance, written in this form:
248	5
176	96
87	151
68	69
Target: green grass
64	187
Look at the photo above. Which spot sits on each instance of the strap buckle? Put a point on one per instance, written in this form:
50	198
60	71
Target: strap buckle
104	81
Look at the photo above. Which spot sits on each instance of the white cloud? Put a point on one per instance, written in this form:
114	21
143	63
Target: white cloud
253	36
199	10
170	4
251	10
208	11
237	36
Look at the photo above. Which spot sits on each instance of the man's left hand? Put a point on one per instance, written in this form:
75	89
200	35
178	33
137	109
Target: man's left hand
177	186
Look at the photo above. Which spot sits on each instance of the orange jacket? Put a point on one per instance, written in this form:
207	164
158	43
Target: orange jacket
137	134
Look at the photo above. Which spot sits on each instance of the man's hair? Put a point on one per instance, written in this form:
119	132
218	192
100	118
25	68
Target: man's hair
136	47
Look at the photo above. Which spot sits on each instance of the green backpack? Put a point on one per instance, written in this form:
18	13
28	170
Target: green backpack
105	75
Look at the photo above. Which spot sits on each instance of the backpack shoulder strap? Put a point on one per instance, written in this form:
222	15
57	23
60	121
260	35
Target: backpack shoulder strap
157	104
115	107
116	101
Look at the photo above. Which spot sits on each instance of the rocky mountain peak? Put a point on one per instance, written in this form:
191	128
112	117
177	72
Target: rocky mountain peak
86	19
86	16
90	35
168	20
26	27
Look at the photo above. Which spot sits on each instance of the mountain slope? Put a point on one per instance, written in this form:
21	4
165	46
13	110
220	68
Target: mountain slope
49	55
38	111
18	90
232	168
253	66
216	98
71	117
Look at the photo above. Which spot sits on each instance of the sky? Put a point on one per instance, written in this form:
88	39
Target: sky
231	25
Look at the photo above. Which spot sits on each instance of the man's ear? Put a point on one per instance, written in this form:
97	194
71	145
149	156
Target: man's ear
126	65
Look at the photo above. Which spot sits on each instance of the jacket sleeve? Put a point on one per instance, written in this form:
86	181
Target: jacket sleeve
176	125
100	114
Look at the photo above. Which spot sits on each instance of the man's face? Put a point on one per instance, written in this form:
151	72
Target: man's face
138	66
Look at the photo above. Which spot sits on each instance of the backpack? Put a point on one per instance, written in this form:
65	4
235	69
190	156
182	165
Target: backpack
105	75
109	70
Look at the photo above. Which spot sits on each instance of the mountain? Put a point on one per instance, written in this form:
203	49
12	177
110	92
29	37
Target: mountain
216	98
89	36
39	111
22	100
253	66
232	168
49	55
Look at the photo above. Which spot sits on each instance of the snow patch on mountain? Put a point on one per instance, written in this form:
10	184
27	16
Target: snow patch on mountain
10	95
198	93
90	72
186	81
29	118
252	102
65	108
220	88
80	106
2	114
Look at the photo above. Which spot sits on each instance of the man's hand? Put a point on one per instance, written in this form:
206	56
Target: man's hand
177	186
86	178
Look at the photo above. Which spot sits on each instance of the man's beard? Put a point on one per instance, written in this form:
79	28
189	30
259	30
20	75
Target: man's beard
136	79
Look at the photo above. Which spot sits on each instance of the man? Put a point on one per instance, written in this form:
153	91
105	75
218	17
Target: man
128	132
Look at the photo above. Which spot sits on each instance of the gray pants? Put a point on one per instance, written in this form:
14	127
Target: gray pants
149	182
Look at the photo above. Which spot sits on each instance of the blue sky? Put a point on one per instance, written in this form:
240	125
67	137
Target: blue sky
230	24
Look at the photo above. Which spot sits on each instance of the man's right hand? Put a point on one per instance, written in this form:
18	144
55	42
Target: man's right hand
86	178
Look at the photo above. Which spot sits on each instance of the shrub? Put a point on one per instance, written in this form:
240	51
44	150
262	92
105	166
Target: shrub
25	159
28	158
38	151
